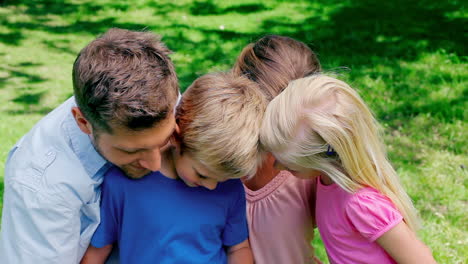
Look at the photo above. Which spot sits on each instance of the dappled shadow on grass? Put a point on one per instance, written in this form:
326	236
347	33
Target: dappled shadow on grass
204	54
40	10
17	71
207	7
63	7
30	98
12	38
26	97
93	27
30	78
364	34
404	151
392	30
60	45
31	109
29	103
444	109
356	31
357	34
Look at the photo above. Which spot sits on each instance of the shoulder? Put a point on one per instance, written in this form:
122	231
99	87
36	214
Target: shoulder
369	197
369	201
45	162
44	176
46	144
117	181
49	171
231	186
231	190
51	128
115	177
114	173
370	212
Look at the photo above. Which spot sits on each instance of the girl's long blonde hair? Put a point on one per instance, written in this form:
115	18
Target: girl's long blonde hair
318	113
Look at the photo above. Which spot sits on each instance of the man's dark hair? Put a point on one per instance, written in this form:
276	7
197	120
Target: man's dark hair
125	79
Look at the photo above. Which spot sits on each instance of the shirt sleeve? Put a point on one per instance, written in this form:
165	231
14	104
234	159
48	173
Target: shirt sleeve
37	228
372	214
236	230
111	204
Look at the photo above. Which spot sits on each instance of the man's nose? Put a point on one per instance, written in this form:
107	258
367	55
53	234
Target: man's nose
151	160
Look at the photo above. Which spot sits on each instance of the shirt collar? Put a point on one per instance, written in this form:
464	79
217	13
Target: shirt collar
81	144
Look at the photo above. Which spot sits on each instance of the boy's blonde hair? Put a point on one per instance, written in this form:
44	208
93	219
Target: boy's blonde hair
219	118
316	114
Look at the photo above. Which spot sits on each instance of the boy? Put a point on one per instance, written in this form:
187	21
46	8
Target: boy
160	218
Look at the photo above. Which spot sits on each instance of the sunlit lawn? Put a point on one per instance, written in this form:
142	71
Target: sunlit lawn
407	58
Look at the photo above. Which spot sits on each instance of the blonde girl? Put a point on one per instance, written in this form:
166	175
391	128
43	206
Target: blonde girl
320	128
280	207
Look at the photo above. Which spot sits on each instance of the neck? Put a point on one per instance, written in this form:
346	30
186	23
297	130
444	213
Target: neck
264	175
168	164
325	180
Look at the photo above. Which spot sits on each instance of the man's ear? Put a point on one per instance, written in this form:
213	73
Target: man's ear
81	121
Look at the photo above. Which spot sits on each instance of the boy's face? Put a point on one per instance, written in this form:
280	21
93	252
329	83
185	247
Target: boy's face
195	174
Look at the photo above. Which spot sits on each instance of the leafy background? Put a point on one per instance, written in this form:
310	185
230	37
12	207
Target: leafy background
408	59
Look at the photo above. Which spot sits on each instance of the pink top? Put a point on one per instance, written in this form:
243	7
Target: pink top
349	223
280	215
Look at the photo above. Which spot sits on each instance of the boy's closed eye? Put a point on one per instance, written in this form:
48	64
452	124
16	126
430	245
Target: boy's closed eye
201	176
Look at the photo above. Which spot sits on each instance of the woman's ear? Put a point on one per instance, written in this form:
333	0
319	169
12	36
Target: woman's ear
176	139
177	128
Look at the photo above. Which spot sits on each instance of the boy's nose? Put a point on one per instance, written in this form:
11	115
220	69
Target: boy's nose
210	185
151	160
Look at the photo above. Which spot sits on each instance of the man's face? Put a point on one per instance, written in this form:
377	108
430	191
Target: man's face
195	174
137	153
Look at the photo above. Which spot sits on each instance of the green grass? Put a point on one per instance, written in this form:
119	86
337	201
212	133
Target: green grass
408	59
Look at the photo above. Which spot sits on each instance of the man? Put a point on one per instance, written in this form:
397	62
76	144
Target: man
122	113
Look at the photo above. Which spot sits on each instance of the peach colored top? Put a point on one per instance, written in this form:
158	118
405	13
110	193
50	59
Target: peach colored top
280	218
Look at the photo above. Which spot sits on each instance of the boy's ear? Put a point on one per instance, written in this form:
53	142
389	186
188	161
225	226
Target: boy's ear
176	139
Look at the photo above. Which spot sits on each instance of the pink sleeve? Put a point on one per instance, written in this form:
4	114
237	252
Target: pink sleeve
372	214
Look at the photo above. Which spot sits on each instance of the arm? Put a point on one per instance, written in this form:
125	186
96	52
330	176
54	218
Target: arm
96	255
404	247
236	233
240	253
37	228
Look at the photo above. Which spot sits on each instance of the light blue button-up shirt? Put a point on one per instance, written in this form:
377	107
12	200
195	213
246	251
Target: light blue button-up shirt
52	193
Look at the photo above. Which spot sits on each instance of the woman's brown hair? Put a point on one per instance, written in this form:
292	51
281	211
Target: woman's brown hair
273	61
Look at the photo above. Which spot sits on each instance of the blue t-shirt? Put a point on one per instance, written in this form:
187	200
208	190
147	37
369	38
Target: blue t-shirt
156	219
